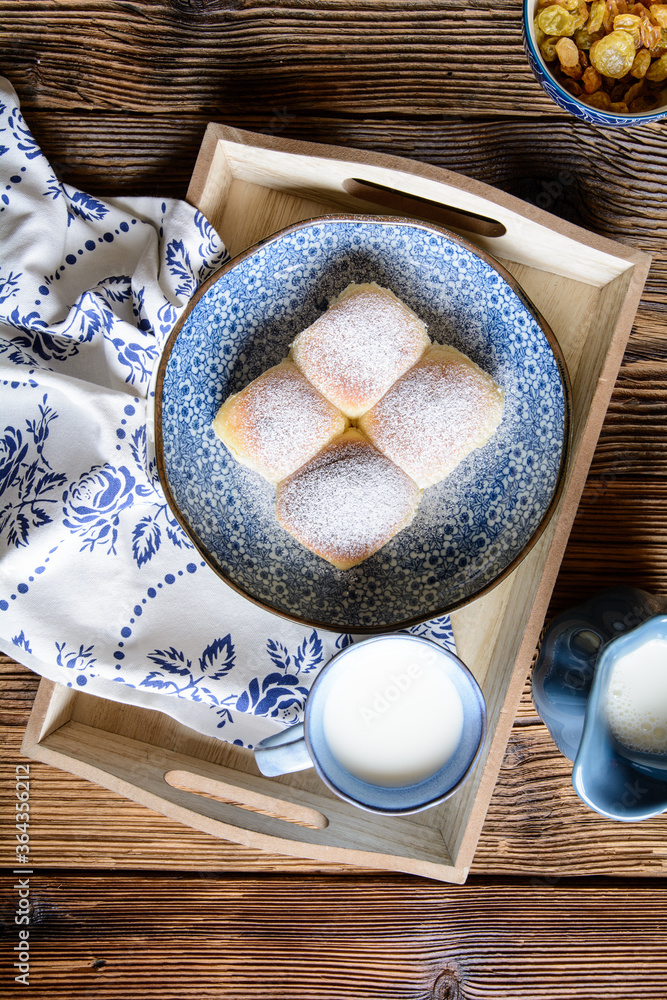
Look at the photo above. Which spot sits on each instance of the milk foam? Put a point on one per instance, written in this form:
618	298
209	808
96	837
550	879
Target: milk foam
636	700
392	716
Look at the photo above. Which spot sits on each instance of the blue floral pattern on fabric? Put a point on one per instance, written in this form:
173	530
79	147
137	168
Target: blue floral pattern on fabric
92	505
279	693
100	587
80	661
176	670
27	481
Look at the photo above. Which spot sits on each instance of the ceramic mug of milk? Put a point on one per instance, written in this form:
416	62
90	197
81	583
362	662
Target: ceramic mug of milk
393	724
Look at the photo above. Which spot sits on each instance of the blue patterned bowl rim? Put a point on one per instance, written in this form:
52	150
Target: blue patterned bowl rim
569	102
394	625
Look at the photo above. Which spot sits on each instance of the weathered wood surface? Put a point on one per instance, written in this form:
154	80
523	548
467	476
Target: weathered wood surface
119	95
291	937
375	56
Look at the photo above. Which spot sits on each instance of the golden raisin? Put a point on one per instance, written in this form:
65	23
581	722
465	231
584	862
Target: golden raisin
548	49
556	21
634	91
659	47
658	14
650	34
641	64
596	15
614	54
608	16
645	102
630	23
599	100
616	93
657	71
591	80
567	52
584	39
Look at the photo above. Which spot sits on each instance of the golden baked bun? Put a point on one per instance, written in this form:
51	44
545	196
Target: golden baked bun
347	502
277	422
436	413
358	348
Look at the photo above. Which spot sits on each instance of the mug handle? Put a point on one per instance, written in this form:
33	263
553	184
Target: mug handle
283	752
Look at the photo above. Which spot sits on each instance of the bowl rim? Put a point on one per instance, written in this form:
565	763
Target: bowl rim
554	346
610	117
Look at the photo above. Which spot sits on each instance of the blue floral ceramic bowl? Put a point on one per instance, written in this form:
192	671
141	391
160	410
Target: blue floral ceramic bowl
470	530
565	100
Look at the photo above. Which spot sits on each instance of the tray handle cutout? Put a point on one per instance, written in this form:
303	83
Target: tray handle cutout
267	805
423	208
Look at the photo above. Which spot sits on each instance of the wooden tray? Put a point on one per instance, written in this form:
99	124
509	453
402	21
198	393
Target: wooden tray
588	289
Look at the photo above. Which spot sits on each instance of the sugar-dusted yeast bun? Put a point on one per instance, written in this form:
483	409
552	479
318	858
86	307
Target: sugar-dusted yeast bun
277	422
347	502
436	413
358	348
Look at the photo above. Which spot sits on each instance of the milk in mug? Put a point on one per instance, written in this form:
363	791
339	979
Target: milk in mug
393	717
636	700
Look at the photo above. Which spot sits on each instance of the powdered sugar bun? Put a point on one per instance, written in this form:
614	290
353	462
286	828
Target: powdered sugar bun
358	348
277	422
347	502
436	413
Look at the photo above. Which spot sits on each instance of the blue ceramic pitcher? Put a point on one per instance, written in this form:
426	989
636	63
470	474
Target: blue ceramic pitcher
577	657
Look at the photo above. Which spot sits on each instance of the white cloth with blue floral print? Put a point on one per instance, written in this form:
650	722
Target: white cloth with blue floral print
99	586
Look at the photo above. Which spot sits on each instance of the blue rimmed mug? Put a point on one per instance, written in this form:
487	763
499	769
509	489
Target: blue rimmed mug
393	724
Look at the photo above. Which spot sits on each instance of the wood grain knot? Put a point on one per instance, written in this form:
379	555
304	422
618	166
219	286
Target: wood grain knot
447	987
517	753
202	6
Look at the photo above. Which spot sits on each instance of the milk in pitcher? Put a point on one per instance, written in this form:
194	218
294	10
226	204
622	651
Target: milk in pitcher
636	699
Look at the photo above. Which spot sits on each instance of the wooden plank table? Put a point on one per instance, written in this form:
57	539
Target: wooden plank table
560	902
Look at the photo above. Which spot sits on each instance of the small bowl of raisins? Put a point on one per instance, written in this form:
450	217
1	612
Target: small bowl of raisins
602	60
